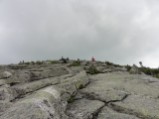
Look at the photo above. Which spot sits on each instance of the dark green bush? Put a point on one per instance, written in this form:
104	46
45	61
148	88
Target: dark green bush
112	64
32	62
75	63
109	63
92	70
150	71
81	86
64	60
128	67
54	62
27	63
157	76
39	62
71	99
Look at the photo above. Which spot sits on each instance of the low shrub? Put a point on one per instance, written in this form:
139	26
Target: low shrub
39	62
112	64
128	67
75	63
93	70
150	71
109	63
54	62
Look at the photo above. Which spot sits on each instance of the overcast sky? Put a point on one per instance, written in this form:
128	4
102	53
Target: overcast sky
121	31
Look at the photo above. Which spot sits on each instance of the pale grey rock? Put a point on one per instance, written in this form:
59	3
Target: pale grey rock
4	105
58	91
44	104
7	93
2	82
103	89
72	84
108	113
6	74
141	106
139	84
22	89
84	109
134	70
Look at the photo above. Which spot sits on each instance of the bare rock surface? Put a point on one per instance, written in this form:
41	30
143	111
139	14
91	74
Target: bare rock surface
108	113
84	109
141	106
53	90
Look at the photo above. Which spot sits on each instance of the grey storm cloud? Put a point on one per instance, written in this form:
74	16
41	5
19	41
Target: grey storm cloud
121	31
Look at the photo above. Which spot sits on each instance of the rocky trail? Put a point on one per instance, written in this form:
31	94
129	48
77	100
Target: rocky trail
64	91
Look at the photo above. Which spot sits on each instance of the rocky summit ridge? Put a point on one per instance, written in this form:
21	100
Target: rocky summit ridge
76	90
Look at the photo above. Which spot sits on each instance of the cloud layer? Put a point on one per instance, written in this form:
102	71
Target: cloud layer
121	31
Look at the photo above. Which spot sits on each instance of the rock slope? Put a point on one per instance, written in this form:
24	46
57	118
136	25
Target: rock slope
66	91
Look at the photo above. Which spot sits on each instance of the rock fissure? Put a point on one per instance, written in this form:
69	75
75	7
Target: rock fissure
95	115
111	101
106	103
22	95
74	94
23	91
128	111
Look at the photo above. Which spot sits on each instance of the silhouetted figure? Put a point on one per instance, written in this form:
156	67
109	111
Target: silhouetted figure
141	64
64	60
93	59
67	59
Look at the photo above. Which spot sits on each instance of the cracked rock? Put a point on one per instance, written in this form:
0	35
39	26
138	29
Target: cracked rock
58	91
84	109
45	104
108	113
141	106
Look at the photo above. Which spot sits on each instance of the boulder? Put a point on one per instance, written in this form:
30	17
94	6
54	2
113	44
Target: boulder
44	104
7	74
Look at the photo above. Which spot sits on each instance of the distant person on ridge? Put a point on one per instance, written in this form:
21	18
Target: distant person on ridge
93	59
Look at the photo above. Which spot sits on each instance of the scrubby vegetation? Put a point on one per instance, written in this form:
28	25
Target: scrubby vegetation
93	70
146	70
64	60
112	64
39	62
128	67
54	62
150	71
75	63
